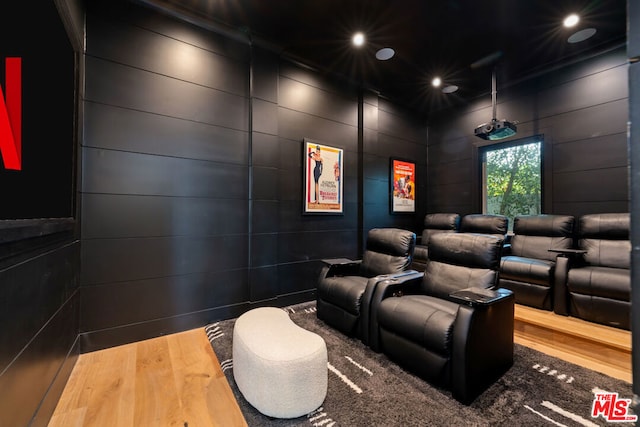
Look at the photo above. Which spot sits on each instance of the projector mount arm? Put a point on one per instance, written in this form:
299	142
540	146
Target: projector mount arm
494	95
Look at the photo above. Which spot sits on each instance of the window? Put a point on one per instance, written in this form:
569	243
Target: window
512	178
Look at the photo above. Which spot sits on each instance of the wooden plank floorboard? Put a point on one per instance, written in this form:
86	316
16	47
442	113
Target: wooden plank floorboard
173	380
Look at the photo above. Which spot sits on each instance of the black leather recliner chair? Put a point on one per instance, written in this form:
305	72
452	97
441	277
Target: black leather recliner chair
345	286
528	265
451	327
597	284
433	224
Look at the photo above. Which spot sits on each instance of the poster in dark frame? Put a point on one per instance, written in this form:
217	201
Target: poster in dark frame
323	178
402	186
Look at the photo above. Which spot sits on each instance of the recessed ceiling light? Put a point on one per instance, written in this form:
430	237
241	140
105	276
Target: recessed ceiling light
385	53
571	20
358	39
581	35
449	89
436	82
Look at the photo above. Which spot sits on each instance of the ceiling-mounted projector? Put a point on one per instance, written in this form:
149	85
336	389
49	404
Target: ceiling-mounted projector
496	129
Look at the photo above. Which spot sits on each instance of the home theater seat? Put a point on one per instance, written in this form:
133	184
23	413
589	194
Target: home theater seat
597	285
433	223
451	327
344	286
455	223
528	264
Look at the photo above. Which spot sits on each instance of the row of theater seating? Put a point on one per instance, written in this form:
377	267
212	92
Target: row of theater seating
451	324
573	266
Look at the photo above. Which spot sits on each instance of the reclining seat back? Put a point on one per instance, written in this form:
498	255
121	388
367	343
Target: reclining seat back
439	223
458	262
434	223
534	235
605	237
388	251
497	225
528	269
600	291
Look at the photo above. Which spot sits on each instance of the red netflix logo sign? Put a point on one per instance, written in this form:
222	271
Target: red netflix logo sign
11	115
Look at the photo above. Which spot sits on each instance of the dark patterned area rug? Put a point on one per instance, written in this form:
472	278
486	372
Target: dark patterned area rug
367	389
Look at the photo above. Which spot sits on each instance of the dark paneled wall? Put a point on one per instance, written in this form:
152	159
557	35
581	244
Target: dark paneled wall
39	324
390	131
165	175
581	110
192	175
291	103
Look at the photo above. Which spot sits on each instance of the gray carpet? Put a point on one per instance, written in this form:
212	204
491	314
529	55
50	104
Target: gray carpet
367	389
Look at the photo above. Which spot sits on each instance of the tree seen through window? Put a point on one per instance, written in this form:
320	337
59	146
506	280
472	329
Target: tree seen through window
512	179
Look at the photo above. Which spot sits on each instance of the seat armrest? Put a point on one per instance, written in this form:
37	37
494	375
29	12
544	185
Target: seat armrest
341	267
479	296
506	249
508	237
569	253
339	261
482	345
401	276
560	289
420	252
398	284
369	292
566	259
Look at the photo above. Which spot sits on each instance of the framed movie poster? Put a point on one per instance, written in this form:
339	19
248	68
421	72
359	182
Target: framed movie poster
322	178
402	178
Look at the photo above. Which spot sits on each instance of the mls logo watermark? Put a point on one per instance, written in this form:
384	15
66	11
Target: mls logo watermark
612	408
11	115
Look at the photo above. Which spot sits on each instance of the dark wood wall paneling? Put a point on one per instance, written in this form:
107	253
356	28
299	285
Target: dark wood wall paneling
581	110
39	317
315	108
192	175
165	182
391	131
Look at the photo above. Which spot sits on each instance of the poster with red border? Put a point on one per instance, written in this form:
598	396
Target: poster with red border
403	186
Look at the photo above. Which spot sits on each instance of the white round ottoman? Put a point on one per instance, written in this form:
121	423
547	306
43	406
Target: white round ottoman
279	367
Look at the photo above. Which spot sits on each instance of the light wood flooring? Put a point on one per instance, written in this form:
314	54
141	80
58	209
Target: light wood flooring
176	380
